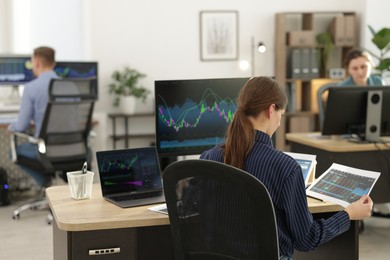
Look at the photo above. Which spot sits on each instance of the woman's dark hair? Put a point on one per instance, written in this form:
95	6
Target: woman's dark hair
354	54
255	96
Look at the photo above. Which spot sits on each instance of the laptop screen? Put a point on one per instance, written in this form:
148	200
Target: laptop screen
127	170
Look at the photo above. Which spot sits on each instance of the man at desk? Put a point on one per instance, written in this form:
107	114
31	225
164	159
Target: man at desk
33	104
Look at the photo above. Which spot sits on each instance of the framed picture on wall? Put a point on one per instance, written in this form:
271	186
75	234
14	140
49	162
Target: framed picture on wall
218	35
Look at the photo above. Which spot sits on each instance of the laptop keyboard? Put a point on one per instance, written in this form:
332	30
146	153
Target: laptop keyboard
136	196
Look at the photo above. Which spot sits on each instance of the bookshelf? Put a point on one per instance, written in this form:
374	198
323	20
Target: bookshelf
300	65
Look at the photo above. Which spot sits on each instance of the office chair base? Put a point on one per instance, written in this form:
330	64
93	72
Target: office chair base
35	205
49	218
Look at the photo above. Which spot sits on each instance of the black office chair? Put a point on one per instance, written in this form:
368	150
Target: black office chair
219	212
63	141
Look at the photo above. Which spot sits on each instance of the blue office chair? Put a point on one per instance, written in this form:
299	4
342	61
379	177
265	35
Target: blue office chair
218	211
63	141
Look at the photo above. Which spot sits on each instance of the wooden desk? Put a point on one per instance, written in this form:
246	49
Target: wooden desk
83	225
368	156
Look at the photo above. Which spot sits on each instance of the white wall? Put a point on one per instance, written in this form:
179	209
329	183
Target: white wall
4	26
376	16
161	38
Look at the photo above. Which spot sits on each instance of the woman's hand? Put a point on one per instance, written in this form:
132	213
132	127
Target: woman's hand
360	209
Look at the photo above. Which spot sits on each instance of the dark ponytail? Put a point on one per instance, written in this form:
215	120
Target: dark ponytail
254	97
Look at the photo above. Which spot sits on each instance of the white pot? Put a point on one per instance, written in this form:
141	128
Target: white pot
127	105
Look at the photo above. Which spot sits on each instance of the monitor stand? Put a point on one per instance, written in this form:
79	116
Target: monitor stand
13	97
373	117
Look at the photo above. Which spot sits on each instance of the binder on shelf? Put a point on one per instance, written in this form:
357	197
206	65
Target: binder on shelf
294	96
305	63
314	63
349	30
290	91
295	64
337	30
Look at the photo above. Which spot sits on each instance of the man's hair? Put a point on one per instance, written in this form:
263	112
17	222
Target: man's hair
47	55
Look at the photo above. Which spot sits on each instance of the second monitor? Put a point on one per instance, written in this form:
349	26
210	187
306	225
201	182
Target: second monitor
193	115
363	112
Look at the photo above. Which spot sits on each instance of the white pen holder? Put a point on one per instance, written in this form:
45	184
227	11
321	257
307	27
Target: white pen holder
80	185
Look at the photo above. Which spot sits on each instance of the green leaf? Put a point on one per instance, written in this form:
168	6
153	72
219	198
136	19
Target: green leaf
384	65
373	32
382	38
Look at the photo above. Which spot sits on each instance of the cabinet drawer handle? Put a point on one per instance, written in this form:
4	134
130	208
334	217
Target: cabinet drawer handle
105	251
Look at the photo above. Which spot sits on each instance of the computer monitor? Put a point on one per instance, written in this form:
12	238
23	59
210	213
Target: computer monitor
193	115
363	112
77	69
15	70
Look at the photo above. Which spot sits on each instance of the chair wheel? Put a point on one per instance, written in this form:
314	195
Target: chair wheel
16	217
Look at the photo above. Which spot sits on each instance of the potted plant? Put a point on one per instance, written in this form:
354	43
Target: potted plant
381	39
126	88
325	43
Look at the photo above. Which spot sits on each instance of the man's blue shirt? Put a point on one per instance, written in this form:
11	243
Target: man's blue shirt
33	104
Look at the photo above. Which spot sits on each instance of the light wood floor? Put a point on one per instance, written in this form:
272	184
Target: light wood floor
30	237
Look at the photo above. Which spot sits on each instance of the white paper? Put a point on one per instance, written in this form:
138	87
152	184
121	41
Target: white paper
162	208
343	185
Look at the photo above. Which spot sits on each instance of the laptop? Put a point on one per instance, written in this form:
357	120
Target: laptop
130	177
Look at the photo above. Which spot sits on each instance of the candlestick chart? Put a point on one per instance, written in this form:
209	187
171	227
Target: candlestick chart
193	115
128	172
195	123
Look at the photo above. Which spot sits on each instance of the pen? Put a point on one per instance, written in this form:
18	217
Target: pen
82	184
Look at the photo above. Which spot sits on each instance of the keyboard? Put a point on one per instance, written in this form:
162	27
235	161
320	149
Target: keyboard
135	196
8	119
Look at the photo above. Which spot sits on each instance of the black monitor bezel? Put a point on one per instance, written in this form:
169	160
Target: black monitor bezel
348	104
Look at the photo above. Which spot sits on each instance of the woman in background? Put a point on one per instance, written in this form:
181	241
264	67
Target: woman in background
358	65
248	146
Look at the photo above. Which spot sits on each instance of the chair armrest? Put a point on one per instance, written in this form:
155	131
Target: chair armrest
28	138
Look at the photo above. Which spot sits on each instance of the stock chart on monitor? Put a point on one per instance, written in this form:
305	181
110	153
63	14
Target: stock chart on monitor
193	115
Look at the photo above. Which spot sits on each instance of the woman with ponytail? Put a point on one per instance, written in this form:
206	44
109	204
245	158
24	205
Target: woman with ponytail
260	105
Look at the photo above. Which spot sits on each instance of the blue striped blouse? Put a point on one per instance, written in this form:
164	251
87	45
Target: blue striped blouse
282	176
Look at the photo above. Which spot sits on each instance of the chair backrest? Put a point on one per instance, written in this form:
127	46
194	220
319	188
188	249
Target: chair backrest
322	95
67	122
218	211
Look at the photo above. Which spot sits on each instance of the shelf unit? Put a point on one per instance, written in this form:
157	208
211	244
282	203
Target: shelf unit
296	32
127	135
